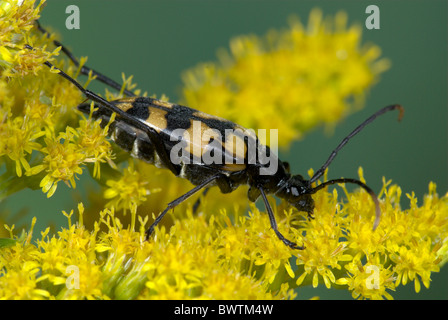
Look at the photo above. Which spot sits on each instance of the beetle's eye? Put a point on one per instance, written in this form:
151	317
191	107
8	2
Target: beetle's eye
295	191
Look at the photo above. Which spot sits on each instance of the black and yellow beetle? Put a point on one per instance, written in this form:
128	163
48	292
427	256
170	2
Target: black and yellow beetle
147	127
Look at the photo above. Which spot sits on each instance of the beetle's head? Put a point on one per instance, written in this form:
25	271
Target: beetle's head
297	191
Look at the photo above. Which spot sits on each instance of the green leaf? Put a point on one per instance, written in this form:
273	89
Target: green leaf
7	242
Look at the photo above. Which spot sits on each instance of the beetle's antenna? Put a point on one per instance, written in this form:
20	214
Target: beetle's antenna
362	185
84	69
333	154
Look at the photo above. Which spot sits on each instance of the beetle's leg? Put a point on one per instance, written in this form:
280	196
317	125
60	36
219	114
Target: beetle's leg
178	201
225	186
198	201
84	69
152	134
287	166
289	243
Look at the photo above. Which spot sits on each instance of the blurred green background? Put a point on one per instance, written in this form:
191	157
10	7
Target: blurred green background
156	40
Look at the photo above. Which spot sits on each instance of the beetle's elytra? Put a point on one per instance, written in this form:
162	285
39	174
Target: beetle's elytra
147	128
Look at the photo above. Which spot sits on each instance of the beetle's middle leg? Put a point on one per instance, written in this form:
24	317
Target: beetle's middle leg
178	201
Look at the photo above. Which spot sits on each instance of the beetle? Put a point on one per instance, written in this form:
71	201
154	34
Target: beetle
146	127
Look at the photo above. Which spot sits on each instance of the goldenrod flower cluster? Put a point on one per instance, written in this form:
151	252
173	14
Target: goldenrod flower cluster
300	77
36	132
222	252
222	256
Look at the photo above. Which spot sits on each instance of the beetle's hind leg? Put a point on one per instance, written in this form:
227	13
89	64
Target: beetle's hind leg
84	69
198	201
178	201
121	115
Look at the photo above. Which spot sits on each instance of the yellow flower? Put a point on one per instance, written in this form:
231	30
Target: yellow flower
211	256
369	281
35	108
287	73
128	191
222	252
22	284
415	261
92	142
249	241
18	140
62	162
